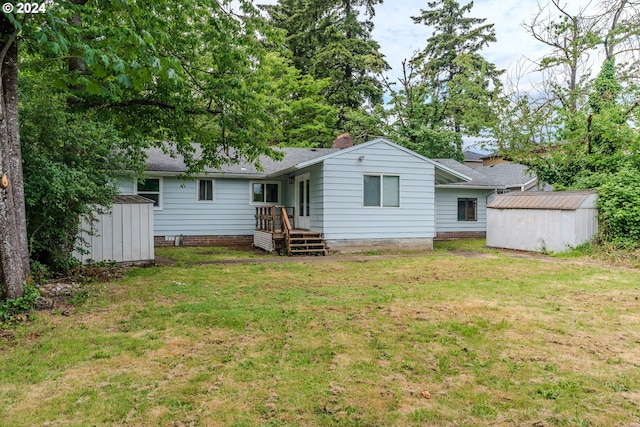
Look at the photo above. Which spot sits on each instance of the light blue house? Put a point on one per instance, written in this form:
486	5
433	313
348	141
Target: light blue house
462	206
373	195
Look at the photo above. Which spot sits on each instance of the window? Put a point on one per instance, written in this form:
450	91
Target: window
467	209
265	192
382	190
205	190
150	188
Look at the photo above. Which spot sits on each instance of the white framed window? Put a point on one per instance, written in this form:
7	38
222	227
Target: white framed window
151	188
265	192
467	209
381	191
205	190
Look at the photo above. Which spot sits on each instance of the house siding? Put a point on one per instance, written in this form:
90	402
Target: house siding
345	217
230	214
447	223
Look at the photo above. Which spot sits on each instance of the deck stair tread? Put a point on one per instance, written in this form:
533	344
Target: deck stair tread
305	242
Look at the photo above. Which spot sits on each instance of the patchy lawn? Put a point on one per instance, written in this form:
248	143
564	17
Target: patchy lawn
460	336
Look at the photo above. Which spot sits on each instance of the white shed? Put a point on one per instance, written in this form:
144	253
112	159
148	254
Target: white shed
542	221
125	234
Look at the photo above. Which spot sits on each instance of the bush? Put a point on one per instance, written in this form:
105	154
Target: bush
619	208
12	310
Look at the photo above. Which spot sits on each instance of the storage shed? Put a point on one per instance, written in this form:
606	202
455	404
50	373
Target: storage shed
542	221
125	234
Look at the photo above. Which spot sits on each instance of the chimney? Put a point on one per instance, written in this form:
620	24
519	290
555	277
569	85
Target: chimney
343	141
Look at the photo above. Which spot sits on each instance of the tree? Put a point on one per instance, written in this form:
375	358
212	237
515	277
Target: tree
530	119
448	90
414	125
190	71
328	41
305	117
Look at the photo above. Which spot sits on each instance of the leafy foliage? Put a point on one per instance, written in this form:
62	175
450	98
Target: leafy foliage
448	91
101	81
597	149
619	206
70	162
328	41
12	310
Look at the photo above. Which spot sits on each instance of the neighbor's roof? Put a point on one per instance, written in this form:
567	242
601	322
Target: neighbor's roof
478	180
509	174
559	200
159	161
472	156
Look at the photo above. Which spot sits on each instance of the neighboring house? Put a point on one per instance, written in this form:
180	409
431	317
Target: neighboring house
493	159
473	159
376	194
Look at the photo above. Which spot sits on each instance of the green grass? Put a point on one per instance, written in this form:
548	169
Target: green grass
208	254
460	336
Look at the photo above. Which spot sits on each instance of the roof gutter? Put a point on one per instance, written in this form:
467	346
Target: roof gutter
471	187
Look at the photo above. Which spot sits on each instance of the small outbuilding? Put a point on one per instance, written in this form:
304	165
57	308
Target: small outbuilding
542	221
124	234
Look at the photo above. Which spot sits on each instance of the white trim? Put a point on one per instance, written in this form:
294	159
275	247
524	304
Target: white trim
160	187
302	221
382	175
252	203
213	190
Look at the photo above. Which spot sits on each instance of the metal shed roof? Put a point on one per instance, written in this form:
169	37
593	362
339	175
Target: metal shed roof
560	200
123	199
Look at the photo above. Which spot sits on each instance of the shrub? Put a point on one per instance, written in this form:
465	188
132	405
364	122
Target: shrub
12	310
619	207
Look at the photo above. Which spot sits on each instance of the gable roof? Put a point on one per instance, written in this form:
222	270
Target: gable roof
160	162
509	174
472	156
560	200
446	174
476	181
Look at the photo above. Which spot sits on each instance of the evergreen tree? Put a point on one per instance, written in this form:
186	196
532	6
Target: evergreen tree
448	90
329	41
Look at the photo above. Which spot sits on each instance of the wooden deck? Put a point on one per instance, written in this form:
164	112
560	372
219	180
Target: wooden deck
274	233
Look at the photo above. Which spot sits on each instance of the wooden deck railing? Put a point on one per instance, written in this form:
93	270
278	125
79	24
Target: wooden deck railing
286	228
272	219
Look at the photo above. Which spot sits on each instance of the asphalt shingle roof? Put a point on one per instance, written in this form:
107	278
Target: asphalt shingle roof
509	174
477	179
159	161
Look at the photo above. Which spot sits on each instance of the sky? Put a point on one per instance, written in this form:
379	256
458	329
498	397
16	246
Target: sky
399	37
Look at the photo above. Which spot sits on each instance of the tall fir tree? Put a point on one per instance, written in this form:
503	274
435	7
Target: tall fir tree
328	40
458	84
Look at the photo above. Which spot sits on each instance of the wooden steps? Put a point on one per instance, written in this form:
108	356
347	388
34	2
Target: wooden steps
303	242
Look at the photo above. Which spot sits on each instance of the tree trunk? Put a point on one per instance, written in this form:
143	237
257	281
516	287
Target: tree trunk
14	252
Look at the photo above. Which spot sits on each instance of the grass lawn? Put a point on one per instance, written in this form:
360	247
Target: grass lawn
460	336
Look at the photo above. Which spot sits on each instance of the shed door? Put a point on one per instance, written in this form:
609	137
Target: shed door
303	207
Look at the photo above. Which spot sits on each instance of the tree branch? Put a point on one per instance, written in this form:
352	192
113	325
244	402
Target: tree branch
162	105
10	41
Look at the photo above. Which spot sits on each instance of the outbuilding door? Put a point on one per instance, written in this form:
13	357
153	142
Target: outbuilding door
303	208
